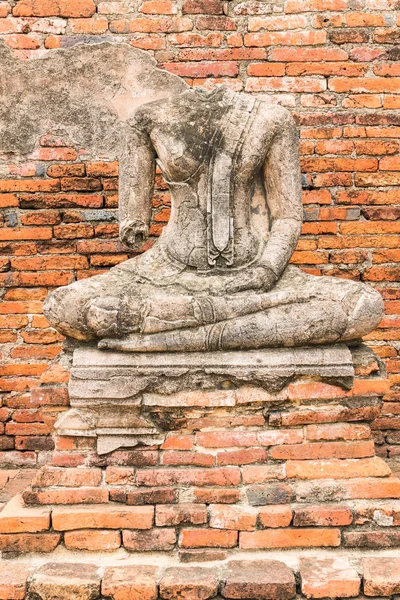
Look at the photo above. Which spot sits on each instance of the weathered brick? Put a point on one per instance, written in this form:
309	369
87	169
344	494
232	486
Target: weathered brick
208	538
170	515
381	576
332	469
138	582
223	476
153	540
64	580
329	578
29	542
289	538
275	516
324	515
13	581
102	517
232	517
89	539
51	476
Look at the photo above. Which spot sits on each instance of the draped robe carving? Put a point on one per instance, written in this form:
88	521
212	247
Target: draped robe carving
215	279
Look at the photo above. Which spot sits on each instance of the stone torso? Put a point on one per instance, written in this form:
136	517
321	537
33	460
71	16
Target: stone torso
210	147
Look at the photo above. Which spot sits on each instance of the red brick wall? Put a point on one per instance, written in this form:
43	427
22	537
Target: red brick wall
333	63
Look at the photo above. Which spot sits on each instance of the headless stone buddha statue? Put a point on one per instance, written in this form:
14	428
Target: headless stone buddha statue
216	279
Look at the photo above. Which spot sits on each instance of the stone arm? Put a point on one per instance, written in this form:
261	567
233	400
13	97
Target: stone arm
283	196
136	183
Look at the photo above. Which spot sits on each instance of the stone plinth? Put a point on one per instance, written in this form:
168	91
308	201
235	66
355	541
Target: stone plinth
123	399
202	456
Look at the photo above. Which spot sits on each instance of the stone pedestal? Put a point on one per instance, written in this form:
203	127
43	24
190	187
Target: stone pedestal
133	399
202	456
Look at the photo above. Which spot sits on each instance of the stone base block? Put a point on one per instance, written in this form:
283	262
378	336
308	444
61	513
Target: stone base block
128	399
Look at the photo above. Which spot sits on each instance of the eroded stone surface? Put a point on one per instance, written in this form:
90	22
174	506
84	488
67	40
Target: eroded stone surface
328	578
65	581
261	579
381	576
188	583
57	97
13	581
137	582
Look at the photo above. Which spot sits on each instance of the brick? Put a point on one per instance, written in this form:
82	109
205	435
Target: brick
307	54
49	476
371	539
29	542
8	200
215	23
16	518
294	6
138	582
51	396
274	493
61	200
151	496
289	538
289	38
260	474
190	458
120	475
277	23
195	39
369	487
232	517
222	54
19	41
381	576
328	578
285	84
134	458
332	469
263	579
178	442
102	517
66	496
158	7
318	450
13	581
62	580
275	516
208	538
223	476
242	457
154	540
226	439
215	495
88	539
325	515
208	7
202	555
54	8
190	583
170	515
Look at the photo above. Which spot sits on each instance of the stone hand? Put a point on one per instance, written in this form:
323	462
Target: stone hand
133	234
256	278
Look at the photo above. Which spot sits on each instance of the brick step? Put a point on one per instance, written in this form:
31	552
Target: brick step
336	575
187	526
